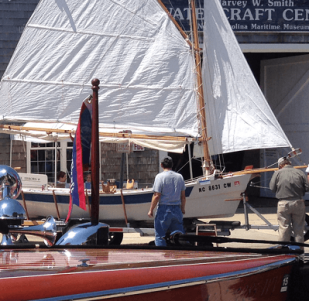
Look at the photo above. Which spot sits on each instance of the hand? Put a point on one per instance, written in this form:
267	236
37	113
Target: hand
183	210
307	170
150	214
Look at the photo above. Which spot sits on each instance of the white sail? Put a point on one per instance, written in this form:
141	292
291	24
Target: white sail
146	69
238	115
145	66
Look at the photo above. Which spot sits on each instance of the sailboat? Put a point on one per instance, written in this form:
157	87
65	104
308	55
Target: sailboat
90	271
151	84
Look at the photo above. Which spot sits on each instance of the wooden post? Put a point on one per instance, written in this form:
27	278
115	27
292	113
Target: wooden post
88	204
95	196
124	208
56	204
24	202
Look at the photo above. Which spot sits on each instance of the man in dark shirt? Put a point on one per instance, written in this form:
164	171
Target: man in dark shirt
290	185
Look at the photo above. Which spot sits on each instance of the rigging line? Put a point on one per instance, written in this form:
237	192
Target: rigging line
42	82
202	117
183	166
221	162
178	19
82	85
203	107
142	16
198	86
257	186
91	33
196	159
271	165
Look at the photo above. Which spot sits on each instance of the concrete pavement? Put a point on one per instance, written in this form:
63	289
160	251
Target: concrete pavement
270	213
262	234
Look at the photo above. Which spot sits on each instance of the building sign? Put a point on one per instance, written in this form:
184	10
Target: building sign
127	147
267	15
124	147
137	148
250	15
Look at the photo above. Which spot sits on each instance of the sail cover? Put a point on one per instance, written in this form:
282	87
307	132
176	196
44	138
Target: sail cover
145	66
238	115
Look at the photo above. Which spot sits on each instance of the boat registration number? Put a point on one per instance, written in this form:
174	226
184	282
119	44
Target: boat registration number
215	187
285	282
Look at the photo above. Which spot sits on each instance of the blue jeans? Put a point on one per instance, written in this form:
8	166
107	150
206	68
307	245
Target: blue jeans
168	218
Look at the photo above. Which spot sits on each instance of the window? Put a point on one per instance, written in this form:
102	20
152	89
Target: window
42	159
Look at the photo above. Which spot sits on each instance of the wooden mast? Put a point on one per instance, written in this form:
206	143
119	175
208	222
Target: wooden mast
201	102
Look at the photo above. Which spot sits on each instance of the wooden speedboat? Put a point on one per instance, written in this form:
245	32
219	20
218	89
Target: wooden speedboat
142	274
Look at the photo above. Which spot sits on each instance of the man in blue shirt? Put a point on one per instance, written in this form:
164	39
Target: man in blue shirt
87	183
169	194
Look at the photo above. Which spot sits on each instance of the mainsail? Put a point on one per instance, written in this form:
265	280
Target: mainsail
144	64
238	115
147	73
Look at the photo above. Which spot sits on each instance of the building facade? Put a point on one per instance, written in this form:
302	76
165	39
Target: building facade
14	16
273	35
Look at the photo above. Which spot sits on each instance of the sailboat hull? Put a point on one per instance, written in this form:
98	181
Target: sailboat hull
147	274
204	200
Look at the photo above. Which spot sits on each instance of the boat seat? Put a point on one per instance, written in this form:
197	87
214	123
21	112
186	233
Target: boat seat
108	188
130	185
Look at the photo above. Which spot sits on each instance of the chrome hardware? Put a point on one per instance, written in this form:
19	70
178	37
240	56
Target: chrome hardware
47	231
84	263
10	209
10	182
85	234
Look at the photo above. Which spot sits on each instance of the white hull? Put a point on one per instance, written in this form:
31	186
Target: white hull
203	201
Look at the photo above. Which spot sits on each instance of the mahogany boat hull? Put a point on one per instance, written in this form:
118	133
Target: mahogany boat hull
126	274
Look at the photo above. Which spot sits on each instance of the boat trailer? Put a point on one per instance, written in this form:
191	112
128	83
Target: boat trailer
223	228
196	227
